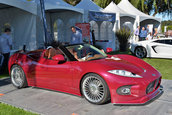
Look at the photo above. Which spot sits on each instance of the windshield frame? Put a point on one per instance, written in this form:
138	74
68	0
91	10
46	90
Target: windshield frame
101	54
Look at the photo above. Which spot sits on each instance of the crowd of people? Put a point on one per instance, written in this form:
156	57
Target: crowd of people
145	33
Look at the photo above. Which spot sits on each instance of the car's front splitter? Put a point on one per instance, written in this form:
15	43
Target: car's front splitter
143	100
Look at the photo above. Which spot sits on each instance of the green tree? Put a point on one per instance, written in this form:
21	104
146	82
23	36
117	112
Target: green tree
72	2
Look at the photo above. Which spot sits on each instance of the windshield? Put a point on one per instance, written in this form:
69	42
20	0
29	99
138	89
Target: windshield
86	52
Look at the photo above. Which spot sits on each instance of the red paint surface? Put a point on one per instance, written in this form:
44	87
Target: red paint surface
66	77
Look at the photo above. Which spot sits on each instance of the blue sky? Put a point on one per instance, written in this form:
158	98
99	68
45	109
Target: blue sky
163	18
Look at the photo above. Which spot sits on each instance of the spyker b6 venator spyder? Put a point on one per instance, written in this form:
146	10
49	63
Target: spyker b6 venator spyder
84	70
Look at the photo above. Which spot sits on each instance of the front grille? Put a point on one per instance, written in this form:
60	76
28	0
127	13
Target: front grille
153	86
157	83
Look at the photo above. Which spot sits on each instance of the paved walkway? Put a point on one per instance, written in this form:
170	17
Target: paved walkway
55	103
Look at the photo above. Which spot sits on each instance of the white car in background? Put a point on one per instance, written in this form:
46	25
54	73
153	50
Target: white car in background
158	48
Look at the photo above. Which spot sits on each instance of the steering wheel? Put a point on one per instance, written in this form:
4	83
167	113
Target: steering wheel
90	54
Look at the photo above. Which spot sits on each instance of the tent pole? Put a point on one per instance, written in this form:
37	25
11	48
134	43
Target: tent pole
44	21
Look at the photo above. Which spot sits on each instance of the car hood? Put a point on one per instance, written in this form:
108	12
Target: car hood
117	62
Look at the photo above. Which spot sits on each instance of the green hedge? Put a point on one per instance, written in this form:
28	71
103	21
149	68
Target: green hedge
168	28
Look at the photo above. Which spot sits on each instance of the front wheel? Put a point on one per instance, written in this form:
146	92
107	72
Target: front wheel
95	89
18	77
140	52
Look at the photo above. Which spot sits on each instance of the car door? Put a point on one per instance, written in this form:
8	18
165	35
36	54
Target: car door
53	74
163	48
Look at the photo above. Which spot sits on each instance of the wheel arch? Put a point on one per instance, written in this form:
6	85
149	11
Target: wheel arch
12	66
20	67
87	74
141	47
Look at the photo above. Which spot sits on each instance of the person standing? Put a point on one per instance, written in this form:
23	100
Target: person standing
147	28
155	33
76	36
5	47
136	33
143	34
149	36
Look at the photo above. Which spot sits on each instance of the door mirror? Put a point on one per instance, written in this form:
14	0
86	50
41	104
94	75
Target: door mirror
58	57
108	50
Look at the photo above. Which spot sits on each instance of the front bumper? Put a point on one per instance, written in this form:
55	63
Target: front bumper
141	91
143	100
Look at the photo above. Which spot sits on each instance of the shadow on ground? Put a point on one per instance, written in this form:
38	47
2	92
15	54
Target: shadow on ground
5	81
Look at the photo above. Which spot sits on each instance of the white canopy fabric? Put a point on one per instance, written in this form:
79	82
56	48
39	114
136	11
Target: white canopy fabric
60	4
113	8
88	5
103	29
130	9
22	18
123	19
29	7
60	17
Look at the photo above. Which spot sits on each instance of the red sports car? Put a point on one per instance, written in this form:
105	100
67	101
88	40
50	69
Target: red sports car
84	70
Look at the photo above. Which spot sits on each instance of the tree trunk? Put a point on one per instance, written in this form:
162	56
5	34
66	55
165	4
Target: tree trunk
155	13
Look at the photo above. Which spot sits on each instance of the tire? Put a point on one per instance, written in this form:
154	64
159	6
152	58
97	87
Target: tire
18	77
140	52
95	89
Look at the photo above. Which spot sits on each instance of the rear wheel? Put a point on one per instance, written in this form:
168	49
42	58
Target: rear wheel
18	77
140	52
95	89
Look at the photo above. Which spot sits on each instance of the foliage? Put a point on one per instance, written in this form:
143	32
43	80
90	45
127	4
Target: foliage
169	27
162	29
102	3
4	75
9	110
123	36
72	2
166	23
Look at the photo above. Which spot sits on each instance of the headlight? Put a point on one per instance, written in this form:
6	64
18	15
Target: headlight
124	73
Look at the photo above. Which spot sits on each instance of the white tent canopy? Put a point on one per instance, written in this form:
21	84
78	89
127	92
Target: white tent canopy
60	17
123	19
22	17
60	4
88	5
113	8
130	9
102	29
29	7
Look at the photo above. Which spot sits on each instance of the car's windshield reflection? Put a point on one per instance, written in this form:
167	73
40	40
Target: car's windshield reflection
86	52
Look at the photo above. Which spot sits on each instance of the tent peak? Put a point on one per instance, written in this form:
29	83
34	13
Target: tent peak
130	9
88	5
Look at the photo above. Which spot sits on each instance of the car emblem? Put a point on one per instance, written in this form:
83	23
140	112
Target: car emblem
153	75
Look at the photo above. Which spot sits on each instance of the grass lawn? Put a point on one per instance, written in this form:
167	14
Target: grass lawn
164	66
10	110
4	75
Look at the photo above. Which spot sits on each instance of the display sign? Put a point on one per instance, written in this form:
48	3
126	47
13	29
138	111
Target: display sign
85	28
100	16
